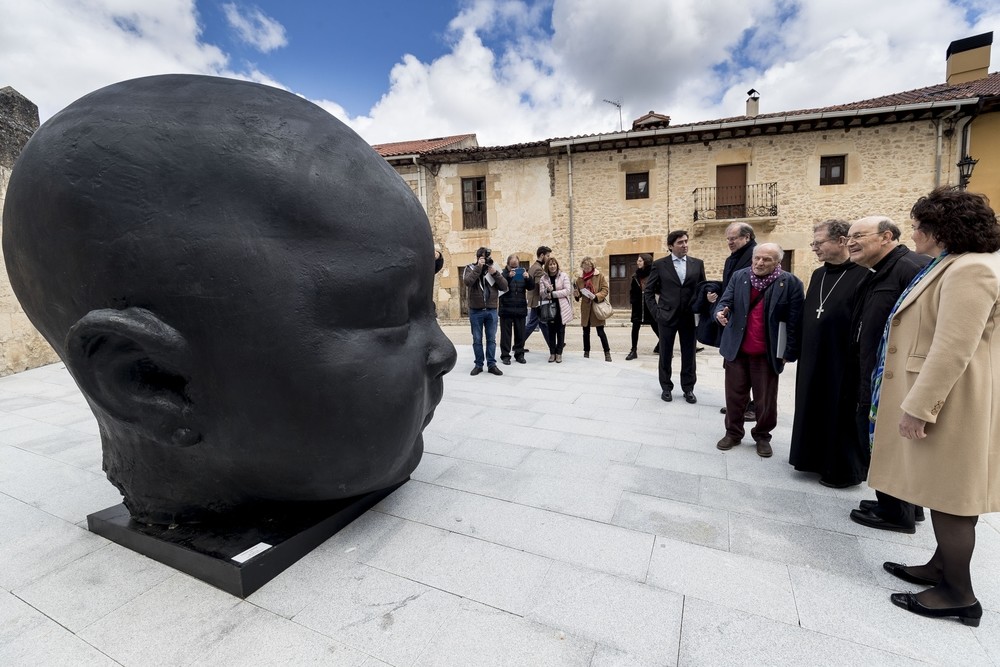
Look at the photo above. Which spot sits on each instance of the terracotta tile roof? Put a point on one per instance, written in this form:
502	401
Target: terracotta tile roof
424	145
986	87
942	92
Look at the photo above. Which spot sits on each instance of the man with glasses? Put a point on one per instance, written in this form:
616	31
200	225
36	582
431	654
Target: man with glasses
873	242
741	240
824	437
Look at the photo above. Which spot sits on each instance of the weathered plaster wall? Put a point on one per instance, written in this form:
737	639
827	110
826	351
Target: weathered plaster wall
21	346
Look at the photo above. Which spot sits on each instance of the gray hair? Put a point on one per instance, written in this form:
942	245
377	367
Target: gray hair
885	224
744	229
770	246
835	228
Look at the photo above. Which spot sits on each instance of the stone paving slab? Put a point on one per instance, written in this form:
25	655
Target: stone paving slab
562	515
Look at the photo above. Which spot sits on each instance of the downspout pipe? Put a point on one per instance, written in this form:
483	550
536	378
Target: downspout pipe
940	143
569	156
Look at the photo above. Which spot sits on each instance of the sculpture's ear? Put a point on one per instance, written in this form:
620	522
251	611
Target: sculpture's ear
136	368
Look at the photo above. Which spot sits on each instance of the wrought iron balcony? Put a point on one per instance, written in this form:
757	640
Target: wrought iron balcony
757	200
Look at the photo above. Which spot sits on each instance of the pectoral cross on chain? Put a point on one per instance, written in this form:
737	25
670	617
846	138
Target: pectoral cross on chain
819	311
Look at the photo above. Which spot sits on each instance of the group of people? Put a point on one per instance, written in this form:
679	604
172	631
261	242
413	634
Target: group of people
899	383
899	377
519	301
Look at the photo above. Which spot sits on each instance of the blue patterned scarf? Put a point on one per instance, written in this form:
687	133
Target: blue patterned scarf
880	360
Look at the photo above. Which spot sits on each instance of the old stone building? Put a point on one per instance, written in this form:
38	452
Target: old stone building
21	346
616	195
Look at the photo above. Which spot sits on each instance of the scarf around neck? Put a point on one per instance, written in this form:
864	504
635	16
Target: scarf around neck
586	280
762	284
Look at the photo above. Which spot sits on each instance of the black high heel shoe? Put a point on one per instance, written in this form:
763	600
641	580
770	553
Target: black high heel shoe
968	615
899	570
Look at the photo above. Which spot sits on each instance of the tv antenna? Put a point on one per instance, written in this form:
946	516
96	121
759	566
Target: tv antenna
617	103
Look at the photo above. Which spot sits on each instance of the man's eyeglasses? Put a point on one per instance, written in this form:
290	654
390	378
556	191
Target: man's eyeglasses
816	244
858	235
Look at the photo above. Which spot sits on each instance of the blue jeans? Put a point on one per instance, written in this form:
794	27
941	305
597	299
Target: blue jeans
533	323
481	318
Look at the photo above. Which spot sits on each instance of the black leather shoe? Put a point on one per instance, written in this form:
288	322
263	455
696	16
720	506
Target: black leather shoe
477	370
690	397
493	370
838	485
870	505
866	518
968	615
898	570
505	362
666	396
631	355
520	360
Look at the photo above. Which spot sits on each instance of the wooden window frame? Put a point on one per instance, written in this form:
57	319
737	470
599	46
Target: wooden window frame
827	164
474	203
632	181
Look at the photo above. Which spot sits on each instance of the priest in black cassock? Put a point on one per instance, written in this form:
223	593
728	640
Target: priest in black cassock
824	437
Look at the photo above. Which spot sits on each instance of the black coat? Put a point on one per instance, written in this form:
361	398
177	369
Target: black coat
876	296
640	313
708	331
740	259
515	302
675	297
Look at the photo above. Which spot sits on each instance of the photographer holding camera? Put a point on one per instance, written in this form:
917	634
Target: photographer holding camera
485	284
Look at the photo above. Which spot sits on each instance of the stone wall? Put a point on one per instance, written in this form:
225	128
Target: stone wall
21	346
887	168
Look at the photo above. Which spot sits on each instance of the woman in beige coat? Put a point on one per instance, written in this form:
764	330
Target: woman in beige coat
936	400
591	281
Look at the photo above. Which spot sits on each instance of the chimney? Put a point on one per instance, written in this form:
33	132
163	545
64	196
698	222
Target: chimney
968	59
753	103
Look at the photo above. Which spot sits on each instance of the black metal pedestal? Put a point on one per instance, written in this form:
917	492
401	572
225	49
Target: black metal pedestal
240	556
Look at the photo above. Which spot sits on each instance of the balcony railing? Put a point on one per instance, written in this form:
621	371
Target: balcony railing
757	200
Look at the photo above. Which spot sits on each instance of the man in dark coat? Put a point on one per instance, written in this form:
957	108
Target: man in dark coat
669	291
514	309
874	243
824	437
741	240
761	312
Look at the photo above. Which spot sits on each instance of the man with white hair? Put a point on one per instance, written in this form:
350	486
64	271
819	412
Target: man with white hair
761	313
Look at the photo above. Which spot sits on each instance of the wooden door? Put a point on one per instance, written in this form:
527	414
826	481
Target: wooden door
730	191
622	267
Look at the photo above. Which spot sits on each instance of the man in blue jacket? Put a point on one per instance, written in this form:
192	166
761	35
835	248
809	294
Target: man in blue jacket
761	313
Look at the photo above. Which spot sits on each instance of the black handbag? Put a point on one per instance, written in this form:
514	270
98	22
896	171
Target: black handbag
547	311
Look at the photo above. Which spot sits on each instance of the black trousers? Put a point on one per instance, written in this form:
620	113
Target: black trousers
511	325
636	326
600	334
889	507
557	337
685	328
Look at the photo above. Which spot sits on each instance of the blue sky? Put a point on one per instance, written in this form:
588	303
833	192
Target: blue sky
509	71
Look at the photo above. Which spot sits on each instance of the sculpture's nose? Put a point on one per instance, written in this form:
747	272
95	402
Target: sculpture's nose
442	356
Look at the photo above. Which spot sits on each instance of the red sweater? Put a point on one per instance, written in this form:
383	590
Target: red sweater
755	338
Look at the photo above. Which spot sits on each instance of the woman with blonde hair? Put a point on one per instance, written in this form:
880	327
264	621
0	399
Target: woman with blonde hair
554	286
591	287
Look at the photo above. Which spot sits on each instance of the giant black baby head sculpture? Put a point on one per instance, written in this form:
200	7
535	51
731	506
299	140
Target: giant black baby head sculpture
240	286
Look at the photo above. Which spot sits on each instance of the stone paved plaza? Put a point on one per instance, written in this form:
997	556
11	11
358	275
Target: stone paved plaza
562	515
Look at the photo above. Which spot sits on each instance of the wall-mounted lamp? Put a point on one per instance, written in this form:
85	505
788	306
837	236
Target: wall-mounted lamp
965	167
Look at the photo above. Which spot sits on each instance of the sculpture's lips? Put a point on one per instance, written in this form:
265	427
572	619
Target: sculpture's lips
427	419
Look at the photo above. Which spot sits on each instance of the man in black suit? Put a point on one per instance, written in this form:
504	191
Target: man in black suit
674	279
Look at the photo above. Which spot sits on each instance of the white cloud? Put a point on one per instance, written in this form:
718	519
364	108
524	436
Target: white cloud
256	28
690	59
54	52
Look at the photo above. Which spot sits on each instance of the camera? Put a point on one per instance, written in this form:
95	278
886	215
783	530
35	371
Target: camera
486	254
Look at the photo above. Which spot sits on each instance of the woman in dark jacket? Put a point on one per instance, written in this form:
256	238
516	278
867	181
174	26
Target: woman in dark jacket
640	313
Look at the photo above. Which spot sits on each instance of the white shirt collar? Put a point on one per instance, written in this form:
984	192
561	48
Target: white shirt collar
678	259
